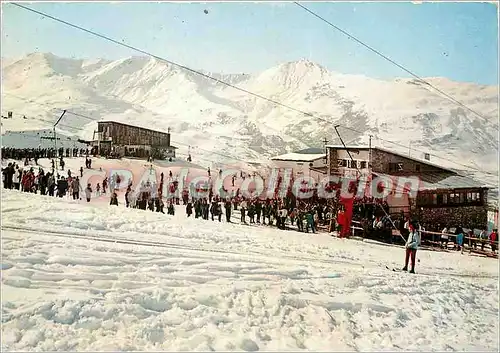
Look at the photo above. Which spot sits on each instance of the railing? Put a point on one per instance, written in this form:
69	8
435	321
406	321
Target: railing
435	240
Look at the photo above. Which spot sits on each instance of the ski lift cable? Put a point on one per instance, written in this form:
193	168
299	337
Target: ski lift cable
46	105
123	44
421	151
87	117
421	79
359	177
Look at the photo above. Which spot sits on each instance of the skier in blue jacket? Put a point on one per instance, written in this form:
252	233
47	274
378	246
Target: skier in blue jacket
412	244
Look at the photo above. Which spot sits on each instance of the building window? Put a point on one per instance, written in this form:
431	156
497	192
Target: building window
473	197
363	165
395	167
417	167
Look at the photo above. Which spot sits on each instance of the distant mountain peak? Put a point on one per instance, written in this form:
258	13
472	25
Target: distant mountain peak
208	113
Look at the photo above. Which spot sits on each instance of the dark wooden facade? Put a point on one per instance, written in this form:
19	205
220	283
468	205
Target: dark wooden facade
127	135
120	139
459	203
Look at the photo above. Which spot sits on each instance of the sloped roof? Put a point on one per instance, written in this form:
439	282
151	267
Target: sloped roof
435	181
139	126
440	181
364	147
311	150
299	157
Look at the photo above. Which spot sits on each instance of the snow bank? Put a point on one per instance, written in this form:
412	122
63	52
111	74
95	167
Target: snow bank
96	277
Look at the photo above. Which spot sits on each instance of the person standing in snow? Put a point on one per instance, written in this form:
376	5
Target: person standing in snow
81	172
62	187
51	184
227	206
75	185
189	209
444	238
114	199
104	185
310	222
127	196
483	238
243	207
460	239
88	192
494	240
412	244
16	177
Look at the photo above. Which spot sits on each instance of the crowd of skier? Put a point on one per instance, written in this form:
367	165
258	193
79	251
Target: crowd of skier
282	212
28	154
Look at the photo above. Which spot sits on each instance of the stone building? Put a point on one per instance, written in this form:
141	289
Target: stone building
444	196
119	139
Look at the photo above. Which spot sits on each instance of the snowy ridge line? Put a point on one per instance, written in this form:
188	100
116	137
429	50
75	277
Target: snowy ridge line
120	240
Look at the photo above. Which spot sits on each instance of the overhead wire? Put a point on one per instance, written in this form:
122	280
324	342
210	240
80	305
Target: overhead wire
90	118
47	111
123	44
421	151
421	79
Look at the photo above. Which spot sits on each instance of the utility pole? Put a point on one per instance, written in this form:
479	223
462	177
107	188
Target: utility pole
358	172
347	150
370	155
55	139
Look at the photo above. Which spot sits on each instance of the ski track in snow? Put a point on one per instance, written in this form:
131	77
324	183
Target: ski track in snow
203	285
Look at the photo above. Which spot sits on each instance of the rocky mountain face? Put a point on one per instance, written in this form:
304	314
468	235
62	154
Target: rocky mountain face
225	125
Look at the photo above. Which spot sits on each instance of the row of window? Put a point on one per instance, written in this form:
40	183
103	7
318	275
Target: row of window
456	198
393	167
347	163
399	167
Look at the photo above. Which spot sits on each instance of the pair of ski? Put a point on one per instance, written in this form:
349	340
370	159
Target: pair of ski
395	269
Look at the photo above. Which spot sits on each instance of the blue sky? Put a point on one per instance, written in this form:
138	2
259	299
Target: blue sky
454	40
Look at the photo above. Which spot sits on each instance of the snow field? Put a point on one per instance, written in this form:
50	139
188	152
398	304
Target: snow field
172	283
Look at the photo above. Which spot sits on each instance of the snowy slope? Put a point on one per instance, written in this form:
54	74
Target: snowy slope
95	277
218	118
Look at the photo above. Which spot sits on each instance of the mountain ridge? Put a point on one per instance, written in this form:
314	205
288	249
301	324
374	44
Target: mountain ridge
215	117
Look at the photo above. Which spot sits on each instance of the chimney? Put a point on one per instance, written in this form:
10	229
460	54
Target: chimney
168	137
427	156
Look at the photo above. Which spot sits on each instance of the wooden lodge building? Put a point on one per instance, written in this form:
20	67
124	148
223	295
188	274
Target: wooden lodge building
123	140
444	197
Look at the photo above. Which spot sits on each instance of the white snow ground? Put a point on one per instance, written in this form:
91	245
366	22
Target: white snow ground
79	276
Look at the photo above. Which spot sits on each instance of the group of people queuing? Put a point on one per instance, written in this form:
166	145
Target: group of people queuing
459	236
372	214
28	154
279	212
34	179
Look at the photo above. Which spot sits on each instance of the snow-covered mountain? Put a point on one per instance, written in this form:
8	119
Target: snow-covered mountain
222	123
